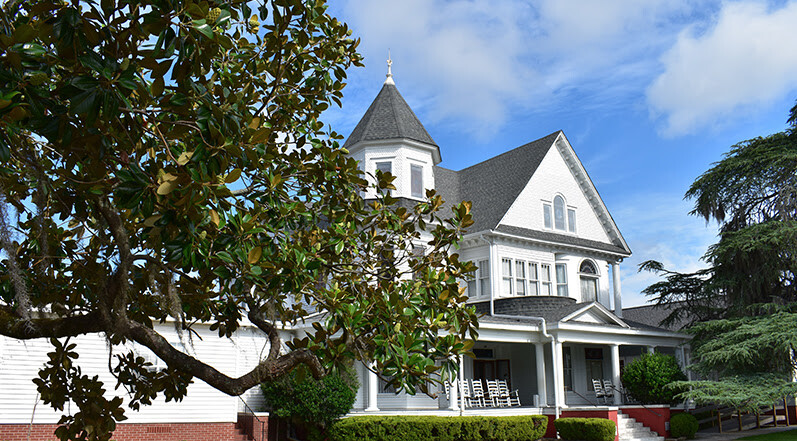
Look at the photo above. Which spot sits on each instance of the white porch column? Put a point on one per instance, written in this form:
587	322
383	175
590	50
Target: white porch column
453	401
461	384
559	374
539	353
373	390
651	349
618	297
615	357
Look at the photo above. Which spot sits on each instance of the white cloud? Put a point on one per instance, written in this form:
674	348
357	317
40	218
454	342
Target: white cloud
745	61
476	60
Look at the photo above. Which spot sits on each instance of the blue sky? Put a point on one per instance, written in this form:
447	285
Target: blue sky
649	93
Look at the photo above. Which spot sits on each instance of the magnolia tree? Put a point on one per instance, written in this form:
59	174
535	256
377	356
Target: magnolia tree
145	178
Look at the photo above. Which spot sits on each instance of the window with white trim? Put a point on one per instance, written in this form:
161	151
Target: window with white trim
534	283
484	278
545	279
520	277
561	279
506	280
546	215
559	212
588	274
571	220
559	216
384	166
416	181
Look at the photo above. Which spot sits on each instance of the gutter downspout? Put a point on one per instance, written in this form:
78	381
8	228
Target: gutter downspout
552	339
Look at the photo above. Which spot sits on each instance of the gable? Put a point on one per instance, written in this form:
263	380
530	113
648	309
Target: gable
561	173
594	313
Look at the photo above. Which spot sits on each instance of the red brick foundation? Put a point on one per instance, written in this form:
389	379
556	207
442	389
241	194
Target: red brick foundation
654	418
132	432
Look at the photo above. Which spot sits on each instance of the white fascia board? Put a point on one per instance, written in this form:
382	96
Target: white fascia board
586	329
558	245
436	158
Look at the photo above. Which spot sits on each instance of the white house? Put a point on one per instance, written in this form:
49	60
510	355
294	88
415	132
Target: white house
548	254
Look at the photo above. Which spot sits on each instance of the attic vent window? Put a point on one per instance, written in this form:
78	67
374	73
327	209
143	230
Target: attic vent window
559	216
416	181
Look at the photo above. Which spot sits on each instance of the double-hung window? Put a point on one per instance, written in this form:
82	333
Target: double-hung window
506	280
561	279
384	166
520	277
534	283
545	279
484	278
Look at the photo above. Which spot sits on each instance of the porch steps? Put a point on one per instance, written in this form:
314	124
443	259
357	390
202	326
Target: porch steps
632	430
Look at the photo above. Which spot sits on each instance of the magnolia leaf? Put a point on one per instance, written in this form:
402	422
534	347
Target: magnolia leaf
233	176
167	187
214	217
254	255
184	158
157	87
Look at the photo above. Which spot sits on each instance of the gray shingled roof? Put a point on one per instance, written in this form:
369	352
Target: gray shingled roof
493	185
653	315
561	238
389	117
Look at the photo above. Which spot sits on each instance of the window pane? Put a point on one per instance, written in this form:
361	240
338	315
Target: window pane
587	267
533	271
520	269
506	286
561	273
559	212
571	220
484	268
416	176
589	289
485	287
533	288
385	167
546	272
561	279
472	289
546	215
506	267
520	284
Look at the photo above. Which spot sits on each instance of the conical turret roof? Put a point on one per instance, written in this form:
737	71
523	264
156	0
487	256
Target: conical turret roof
389	117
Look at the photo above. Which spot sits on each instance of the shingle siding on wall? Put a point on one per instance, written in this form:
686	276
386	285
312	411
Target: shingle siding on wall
401	156
553	176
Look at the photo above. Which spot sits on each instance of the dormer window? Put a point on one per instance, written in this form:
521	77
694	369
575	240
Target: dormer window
559	216
416	181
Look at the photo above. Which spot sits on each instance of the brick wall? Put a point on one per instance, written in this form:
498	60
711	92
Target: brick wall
607	414
132	432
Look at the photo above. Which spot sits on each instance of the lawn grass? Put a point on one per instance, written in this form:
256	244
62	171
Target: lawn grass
788	435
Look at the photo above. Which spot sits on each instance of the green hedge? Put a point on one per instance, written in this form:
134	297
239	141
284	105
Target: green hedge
586	429
434	428
683	424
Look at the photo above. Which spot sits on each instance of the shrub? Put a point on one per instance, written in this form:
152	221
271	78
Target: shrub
312	403
646	379
434	428
683	424
586	429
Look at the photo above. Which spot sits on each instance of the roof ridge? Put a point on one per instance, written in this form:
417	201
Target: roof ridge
510	151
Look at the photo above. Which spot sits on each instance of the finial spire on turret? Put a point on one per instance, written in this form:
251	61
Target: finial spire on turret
389	79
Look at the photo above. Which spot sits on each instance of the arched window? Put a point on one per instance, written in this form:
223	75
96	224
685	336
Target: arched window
588	273
587	267
559	212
